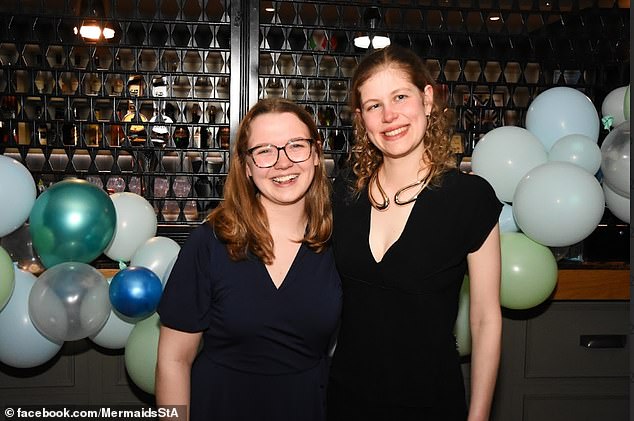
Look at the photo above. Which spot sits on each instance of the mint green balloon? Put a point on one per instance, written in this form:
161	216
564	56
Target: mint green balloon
462	329
141	352
529	272
73	221
626	103
7	277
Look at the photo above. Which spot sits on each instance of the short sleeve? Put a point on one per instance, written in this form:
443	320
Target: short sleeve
186	300
484	214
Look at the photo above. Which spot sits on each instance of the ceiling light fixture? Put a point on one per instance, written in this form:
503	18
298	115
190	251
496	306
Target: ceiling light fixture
94	28
372	38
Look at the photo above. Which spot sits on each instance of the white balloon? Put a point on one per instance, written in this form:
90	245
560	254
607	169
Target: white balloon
136	223
17	188
615	159
560	111
504	155
114	334
21	344
462	328
618	205
157	254
506	220
613	105
558	204
579	150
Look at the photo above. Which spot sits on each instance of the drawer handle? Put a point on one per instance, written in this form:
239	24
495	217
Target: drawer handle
602	341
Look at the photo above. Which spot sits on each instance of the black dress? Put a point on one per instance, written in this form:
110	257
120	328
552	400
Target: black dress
265	349
396	355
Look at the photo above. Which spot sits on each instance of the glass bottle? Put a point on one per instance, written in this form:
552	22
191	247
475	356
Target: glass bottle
181	136
70	132
41	129
159	87
223	137
136	133
160	134
136	85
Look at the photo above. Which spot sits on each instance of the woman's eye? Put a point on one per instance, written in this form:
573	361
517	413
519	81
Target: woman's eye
373	107
263	151
400	97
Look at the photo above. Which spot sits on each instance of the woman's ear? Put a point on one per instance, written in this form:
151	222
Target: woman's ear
428	99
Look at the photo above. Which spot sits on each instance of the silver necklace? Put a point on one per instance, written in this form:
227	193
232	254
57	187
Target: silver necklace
397	197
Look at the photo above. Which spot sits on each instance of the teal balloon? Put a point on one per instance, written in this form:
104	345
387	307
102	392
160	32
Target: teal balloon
73	221
462	329
141	353
626	103
529	272
7	277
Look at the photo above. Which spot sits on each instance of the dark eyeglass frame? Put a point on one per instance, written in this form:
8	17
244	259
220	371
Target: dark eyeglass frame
280	148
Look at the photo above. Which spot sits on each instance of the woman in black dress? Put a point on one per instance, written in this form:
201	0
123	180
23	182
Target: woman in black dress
257	283
407	226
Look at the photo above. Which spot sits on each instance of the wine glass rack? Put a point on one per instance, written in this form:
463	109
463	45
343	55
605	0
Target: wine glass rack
154	109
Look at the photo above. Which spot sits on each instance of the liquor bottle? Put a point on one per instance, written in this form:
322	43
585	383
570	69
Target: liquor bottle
196	137
159	87
136	133
160	134
70	132
203	189
93	132
41	129
223	137
181	136
136	85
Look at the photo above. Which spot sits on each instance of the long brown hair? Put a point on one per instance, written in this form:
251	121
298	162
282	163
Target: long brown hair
240	220
367	158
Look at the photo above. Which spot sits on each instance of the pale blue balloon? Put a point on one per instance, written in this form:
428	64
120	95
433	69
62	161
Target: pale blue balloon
504	155
577	149
615	159
613	105
462	328
17	193
560	111
157	254
21	344
558	204
114	334
506	220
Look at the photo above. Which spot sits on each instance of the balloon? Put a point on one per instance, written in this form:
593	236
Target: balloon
21	344
560	111
626	103
7	278
613	105
157	254
558	204
73	220
136	223
506	220
615	159
618	205
114	334
462	329
135	291
18	189
529	272
504	155
579	150
19	245
141	353
69	302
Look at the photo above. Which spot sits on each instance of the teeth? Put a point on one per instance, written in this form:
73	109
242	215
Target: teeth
395	132
284	179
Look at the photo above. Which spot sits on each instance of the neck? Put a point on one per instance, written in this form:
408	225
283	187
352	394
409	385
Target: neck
286	220
395	173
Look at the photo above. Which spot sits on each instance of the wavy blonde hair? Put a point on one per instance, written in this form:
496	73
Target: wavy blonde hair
240	220
365	158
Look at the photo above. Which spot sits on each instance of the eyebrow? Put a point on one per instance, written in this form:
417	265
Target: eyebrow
391	93
289	140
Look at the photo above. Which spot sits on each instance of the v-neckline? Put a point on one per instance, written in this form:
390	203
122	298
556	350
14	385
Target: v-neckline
396	241
289	272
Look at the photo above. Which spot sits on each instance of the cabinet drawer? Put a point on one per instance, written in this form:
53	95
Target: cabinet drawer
579	339
575	408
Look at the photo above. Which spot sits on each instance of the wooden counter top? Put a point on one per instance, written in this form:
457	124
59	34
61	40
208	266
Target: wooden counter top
612	283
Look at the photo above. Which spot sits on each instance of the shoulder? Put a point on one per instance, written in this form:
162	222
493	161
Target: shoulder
344	187
470	185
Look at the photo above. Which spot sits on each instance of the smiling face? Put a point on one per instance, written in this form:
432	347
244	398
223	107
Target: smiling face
393	111
286	182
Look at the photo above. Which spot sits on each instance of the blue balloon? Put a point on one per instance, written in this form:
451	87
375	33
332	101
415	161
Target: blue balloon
135	292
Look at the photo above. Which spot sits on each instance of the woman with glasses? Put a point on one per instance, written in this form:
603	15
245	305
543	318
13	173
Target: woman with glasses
407	226
256	283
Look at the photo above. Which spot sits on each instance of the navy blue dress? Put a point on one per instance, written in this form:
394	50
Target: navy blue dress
265	349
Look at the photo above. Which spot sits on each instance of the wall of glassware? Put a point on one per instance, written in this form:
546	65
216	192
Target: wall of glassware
148	110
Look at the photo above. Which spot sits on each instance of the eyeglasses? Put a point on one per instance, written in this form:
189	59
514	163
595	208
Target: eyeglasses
297	150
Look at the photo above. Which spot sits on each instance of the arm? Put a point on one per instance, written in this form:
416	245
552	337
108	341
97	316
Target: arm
486	324
176	353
